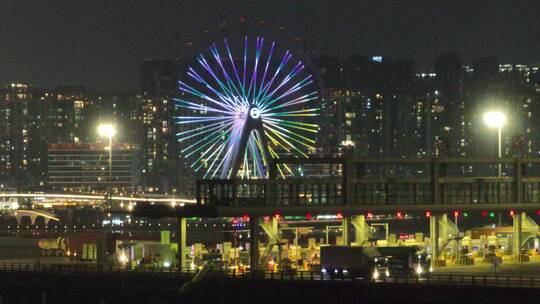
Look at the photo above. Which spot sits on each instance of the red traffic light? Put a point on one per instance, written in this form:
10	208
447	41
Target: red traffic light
308	216
277	215
369	215
456	213
484	213
512	212
339	215
428	213
399	214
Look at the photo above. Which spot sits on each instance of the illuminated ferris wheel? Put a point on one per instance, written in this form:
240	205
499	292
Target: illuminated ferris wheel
243	104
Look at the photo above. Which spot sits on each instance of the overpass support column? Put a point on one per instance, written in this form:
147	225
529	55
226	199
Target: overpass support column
518	223
181	239
345	225
253	243
361	230
434	238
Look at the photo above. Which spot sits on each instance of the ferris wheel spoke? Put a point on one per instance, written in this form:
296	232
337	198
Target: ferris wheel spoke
303	83
298	113
245	64
234	66
299	100
190	90
298	126
218	151
276	142
285	138
223	97
231	84
220	165
281	66
256	98
197	107
288	77
203	142
204	131
195	119
220	123
293	134
253	82
292	123
202	160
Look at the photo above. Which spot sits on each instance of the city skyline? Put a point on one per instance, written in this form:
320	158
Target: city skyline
418	30
370	106
308	151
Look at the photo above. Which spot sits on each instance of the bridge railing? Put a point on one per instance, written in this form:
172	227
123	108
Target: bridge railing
430	278
453	279
87	268
388	182
259	193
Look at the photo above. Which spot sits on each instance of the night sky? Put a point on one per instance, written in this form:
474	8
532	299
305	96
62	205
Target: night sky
100	43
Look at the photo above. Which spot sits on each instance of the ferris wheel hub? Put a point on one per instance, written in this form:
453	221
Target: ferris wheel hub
255	113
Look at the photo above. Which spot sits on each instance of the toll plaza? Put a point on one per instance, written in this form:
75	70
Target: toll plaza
459	218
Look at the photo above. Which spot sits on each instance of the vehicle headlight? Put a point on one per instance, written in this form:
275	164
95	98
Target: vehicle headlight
419	270
387	273
323	270
375	274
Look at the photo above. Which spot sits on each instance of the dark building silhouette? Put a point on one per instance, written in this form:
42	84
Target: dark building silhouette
155	114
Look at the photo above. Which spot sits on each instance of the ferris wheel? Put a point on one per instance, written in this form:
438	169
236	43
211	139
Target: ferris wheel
243	103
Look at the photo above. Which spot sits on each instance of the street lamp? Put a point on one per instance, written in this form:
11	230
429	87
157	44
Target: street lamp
108	130
496	119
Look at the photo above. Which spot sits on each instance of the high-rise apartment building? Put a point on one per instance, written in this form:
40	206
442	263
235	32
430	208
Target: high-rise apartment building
21	142
155	113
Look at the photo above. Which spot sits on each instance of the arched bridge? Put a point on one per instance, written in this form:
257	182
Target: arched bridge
33	215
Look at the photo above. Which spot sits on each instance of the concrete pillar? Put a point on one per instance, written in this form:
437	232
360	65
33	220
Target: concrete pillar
443	225
275	227
181	239
434	238
518	223
254	243
361	230
345	224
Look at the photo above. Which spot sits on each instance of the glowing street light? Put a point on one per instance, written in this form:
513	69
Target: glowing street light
496	119
108	131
